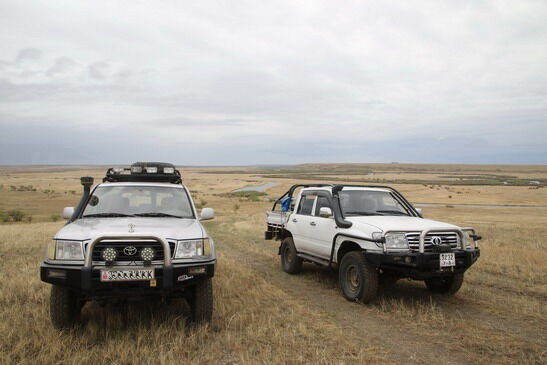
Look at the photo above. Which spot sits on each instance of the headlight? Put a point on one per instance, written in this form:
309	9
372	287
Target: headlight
396	241
468	241
68	250
190	248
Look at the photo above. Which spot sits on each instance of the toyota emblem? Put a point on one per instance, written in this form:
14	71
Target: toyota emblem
436	240
130	250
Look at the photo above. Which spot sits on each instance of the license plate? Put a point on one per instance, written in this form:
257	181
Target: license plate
127	275
447	259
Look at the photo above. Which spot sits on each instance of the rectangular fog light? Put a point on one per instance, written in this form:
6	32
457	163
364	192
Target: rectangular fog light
197	270
56	274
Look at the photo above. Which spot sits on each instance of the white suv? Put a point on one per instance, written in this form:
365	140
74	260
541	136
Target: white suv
136	234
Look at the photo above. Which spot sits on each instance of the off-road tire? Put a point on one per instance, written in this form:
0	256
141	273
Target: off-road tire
358	278
290	263
202	301
64	307
445	285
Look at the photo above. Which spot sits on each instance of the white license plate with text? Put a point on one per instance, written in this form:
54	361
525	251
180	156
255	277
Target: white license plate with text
447	259
127	275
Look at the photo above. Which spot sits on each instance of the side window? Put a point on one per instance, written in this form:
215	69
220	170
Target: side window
322	201
306	204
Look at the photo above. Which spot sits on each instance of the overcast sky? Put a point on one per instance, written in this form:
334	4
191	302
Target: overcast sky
269	82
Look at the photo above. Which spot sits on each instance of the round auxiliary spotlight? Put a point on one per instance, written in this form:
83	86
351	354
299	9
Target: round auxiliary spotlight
147	253
109	254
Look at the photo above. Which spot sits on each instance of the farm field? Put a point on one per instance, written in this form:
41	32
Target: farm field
263	315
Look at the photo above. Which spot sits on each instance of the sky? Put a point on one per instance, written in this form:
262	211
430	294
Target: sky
276	82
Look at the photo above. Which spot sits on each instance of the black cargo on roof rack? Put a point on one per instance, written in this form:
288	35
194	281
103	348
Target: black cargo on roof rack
144	171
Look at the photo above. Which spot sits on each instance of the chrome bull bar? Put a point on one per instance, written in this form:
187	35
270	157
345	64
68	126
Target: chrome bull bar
461	232
88	262
166	250
424	233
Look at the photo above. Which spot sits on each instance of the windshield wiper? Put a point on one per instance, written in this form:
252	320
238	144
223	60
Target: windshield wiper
157	214
362	213
107	215
396	212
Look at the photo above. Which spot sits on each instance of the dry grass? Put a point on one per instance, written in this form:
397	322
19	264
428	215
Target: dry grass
263	315
254	322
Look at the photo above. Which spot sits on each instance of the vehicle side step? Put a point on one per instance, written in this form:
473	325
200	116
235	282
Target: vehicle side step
314	259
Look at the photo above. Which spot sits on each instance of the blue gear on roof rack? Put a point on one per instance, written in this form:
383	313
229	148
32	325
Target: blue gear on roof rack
144	172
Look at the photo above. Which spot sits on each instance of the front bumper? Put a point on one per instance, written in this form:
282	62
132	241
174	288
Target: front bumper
86	280
421	266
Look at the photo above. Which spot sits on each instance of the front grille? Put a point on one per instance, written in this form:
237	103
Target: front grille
447	238
139	245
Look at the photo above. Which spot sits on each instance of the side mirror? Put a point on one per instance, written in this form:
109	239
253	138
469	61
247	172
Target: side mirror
325	212
207	213
419	210
67	212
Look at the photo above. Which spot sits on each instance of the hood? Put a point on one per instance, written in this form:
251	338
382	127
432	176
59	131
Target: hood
397	223
174	228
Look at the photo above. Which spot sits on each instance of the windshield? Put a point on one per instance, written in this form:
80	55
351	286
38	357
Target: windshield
138	201
367	202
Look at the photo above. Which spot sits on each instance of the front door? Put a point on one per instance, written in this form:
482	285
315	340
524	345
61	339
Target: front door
322	229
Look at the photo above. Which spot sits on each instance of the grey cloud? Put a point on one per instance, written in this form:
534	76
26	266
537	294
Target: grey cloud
98	70
61	65
251	82
28	54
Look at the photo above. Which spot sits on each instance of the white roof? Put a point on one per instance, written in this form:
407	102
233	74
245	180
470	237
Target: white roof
142	183
329	188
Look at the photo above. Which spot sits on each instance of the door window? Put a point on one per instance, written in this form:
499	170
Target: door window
306	205
322	201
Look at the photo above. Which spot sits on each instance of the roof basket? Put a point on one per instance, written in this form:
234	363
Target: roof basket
144	172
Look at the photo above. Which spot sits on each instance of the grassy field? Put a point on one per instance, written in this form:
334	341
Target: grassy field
263	315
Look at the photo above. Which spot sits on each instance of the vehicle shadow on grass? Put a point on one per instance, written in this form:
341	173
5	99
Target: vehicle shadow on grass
127	315
403	291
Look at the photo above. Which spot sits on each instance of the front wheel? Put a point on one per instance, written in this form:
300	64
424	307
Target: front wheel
202	301
290	262
358	278
64	307
446	284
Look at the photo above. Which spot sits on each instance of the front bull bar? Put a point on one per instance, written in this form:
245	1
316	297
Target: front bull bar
461	232
167	266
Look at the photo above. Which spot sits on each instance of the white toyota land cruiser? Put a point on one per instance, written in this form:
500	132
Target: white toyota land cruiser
371	234
136	234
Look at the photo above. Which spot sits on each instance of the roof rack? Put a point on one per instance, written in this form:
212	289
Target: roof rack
144	171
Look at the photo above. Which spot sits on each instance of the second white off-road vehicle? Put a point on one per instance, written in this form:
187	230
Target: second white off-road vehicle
370	234
136	234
